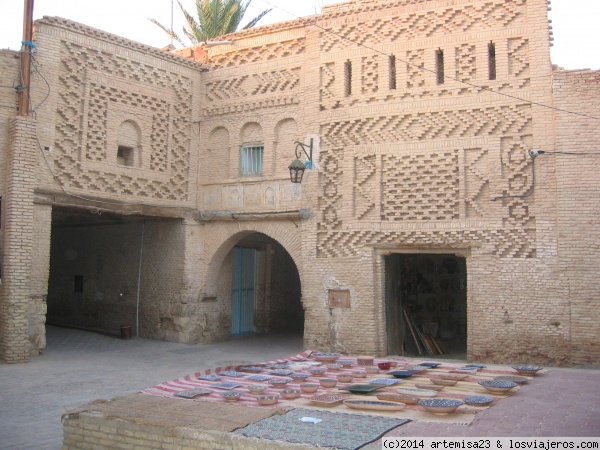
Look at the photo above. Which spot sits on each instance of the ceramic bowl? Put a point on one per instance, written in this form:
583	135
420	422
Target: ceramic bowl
406	399
334	367
309	388
478	400
256	388
299	377
231	396
372	369
291	393
433	387
514	378
384	365
365	360
345	378
498	386
280	382
318	370
266	400
326	357
527	369
359	374
391	397
345	362
454	376
431	365
440	406
401	374
327	382
442	382
393	363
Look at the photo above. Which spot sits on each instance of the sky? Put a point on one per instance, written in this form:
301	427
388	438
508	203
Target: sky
576	23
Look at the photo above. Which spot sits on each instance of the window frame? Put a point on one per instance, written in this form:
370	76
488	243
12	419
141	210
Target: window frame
250	164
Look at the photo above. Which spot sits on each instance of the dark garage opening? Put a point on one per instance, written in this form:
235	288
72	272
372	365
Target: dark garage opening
427	292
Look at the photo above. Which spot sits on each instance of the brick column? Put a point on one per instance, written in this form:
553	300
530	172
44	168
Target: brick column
17	243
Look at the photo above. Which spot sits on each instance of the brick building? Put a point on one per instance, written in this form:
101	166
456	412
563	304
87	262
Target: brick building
151	188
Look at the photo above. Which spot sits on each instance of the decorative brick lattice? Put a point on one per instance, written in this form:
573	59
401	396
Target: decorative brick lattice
391	28
88	141
518	57
327	93
369	76
466	67
267	52
330	198
477	183
426	187
249	85
415	76
421	187
365	187
492	121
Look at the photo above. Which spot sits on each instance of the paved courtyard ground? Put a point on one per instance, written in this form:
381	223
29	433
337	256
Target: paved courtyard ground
79	367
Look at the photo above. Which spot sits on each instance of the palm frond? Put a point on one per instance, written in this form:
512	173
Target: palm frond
168	30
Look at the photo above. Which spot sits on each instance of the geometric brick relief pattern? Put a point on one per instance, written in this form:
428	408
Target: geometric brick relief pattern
85	140
370	75
409	127
421	187
466	68
422	24
518	57
256	84
268	52
330	198
327	93
477	183
366	190
415	75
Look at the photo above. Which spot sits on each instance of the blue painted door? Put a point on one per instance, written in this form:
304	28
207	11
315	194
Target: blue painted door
243	291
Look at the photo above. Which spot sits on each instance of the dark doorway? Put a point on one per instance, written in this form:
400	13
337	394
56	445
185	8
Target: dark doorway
426	295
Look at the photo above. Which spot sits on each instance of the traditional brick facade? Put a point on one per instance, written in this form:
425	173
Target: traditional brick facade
422	114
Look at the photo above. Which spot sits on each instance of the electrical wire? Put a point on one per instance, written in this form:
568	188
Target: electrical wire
545	152
46	81
314	24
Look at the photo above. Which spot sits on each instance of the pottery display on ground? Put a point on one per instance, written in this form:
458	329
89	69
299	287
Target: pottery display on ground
266	400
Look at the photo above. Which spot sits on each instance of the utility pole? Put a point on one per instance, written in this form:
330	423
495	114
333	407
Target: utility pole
26	49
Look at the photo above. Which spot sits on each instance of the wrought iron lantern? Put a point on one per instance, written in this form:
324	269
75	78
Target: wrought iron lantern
297	167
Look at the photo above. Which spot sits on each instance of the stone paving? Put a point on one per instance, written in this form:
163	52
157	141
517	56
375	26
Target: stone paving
79	367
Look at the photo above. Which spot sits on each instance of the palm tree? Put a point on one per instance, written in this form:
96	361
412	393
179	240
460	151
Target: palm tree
213	18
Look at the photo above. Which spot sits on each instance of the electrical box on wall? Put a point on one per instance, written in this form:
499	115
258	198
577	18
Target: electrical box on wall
339	298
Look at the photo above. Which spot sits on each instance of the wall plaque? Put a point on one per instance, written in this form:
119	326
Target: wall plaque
339	298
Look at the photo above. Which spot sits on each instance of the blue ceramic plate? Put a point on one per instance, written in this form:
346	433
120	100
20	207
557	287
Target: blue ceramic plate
433	365
210	377
439	402
192	393
361	388
478	400
498	384
232	373
226	385
401	374
259	377
477	366
383	381
281	372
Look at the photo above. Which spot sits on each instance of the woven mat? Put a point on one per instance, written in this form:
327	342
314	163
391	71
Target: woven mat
174	413
463	415
342	431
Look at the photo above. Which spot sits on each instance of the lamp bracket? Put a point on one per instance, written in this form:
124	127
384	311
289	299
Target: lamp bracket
301	147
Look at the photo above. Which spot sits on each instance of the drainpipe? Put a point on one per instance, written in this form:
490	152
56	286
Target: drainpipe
137	305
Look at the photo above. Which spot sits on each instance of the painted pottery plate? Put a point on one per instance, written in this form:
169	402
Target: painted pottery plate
428	364
232	373
478	400
477	366
401	374
211	377
514	378
417	392
251	369
326	357
259	377
281	372
278	366
192	393
361	388
440	402
299	376
231	395
390	397
526	368
374	405
384	381
226	385
498	384
329	399
416	368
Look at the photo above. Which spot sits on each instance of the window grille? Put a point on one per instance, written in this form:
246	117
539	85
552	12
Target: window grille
252	160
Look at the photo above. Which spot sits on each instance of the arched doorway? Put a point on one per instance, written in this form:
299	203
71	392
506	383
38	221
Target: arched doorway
262	283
